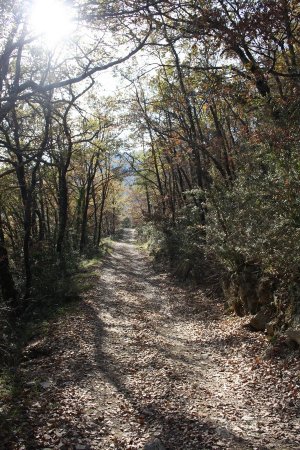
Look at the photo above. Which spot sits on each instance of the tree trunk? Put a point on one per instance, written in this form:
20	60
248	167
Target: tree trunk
9	292
95	213
100	221
83	237
63	211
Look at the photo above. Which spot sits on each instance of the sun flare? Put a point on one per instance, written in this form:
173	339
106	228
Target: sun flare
54	20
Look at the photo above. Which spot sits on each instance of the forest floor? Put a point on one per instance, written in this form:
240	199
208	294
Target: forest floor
141	357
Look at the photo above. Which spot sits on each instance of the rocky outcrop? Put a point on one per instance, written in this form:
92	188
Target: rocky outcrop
250	292
274	303
265	291
231	295
247	291
260	321
248	296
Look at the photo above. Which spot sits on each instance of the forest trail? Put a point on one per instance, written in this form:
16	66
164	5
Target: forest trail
144	358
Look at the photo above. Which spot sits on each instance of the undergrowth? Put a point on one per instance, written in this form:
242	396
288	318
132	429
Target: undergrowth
50	303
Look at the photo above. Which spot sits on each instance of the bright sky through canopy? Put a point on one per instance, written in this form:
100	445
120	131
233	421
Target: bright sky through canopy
53	19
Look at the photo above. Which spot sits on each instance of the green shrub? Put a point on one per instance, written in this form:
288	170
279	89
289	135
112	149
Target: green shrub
257	221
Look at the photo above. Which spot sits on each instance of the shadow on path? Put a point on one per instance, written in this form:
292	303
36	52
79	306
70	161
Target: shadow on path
136	360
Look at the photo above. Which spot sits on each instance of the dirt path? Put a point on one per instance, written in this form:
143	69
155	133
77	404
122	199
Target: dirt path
142	358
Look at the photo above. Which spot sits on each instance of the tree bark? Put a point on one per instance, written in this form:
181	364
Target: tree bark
62	211
8	290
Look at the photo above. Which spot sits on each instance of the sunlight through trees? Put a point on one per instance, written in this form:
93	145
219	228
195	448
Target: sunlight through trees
199	136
